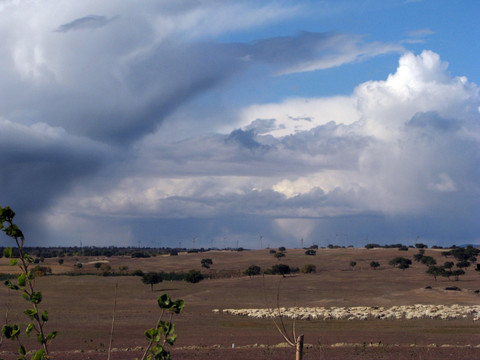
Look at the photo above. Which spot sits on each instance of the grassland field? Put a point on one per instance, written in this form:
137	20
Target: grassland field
81	307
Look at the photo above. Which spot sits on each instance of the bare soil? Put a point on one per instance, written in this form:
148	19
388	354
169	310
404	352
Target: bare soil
81	307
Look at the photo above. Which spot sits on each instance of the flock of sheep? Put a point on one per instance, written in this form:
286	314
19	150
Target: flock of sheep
416	311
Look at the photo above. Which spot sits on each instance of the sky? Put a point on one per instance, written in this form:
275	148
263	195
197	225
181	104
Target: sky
241	123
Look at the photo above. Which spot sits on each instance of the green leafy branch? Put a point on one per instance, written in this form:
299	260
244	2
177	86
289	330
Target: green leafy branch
163	334
24	283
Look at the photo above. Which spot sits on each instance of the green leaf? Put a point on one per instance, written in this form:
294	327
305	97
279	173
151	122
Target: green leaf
14	231
39	355
22	279
51	335
40	339
28	258
45	315
31	313
13	262
171	339
164	301
178	306
29	328
151	334
22	350
36	297
11	331
11	285
7	252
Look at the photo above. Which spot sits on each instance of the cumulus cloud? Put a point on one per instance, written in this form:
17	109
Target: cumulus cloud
84	99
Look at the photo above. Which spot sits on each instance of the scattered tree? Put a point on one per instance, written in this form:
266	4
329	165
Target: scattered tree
403	263
253	270
374	265
206	263
448	264
282	249
435	271
418	257
463	264
310	252
280	269
279	255
151	278
457	273
97	265
353	264
428	261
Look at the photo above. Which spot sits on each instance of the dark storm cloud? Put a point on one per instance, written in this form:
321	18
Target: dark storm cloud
86	22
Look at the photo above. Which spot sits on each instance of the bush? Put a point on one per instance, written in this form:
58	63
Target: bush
137	272
194	276
279	255
206	263
282	248
308	269
374	264
310	252
253	270
280	269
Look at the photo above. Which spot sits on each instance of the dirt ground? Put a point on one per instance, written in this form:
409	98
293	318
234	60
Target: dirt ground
81	308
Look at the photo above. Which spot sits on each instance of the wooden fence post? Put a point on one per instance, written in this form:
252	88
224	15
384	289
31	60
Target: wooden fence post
299	348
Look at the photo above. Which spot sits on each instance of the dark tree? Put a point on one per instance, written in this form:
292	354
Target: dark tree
193	276
374	265
353	264
448	264
280	269
463	264
253	270
151	278
282	248
206	263
436	271
279	255
428	261
458	273
310	252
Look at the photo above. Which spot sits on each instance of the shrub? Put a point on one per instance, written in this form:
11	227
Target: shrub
253	270
194	276
308	269
282	248
280	269
310	252
206	263
137	272
279	255
353	264
374	264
